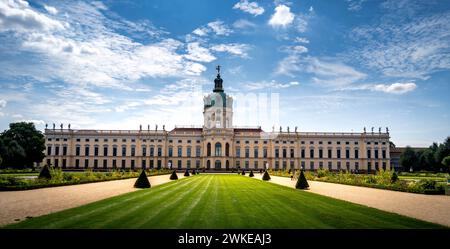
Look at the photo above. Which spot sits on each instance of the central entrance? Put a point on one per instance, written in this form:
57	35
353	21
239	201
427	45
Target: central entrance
218	164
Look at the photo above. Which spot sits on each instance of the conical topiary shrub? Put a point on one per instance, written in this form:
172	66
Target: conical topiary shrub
266	176
142	181
45	173
186	173
197	171
174	176
251	173
243	172
394	177
193	172
302	183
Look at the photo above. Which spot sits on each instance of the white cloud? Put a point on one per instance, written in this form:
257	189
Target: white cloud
2	103
355	5
301	23
233	48
412	48
243	24
249	7
396	88
198	53
200	31
16	15
219	28
269	85
296	49
324	72
91	46
301	40
50	9
282	16
35	121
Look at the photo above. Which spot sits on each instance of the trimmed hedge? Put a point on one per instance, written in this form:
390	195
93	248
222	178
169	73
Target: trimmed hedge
142	181
174	176
266	176
302	183
60	178
45	173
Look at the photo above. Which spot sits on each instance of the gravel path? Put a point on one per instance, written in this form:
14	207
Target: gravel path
15	206
432	208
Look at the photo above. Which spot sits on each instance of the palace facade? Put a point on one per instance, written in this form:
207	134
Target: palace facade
218	145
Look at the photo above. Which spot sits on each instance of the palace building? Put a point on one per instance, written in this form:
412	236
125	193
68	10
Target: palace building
218	145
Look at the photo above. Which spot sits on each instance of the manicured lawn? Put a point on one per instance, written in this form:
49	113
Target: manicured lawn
222	201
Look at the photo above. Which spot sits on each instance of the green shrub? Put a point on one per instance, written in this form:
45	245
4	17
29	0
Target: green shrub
142	181
427	184
251	174
243	172
394	177
186	173
266	176
174	176
302	183
45	173
322	173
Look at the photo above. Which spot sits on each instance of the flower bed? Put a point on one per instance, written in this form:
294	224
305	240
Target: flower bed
382	180
60	178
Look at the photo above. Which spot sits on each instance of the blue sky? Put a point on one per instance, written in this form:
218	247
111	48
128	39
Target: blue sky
332	65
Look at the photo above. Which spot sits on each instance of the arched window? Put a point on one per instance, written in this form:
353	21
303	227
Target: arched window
208	149
227	149
218	149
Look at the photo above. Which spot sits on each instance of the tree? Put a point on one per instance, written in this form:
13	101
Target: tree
45	173
446	162
174	176
443	151
302	183
142	181
408	159
13	155
427	159
22	145
266	176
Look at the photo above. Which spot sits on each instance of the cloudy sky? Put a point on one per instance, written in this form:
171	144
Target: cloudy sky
331	65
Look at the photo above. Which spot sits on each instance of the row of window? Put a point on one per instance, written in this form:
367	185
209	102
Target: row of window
218	152
197	164
198	141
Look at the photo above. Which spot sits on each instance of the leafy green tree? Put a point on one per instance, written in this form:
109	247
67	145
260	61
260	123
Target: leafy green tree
408	159
13	155
22	145
443	151
446	163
